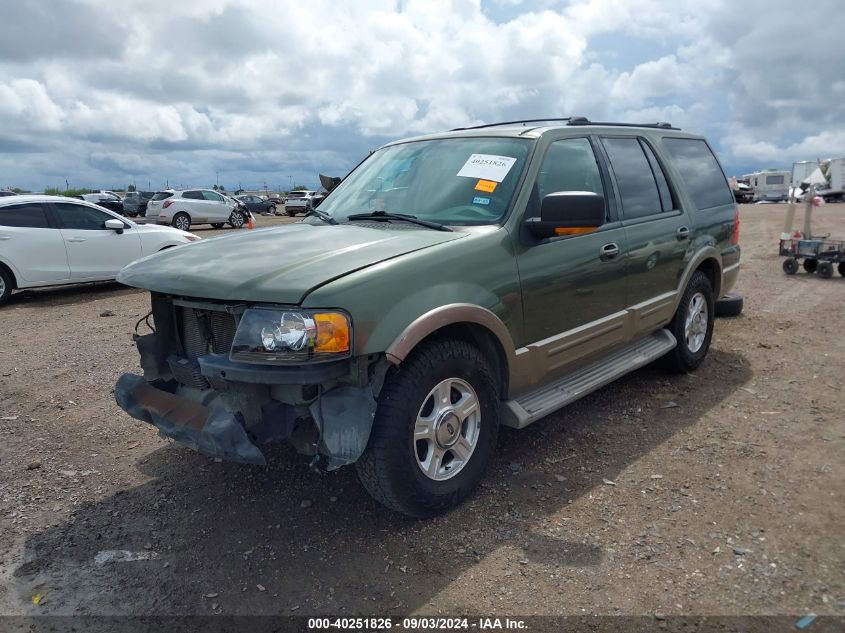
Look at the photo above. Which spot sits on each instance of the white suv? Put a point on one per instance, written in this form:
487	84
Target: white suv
183	209
302	201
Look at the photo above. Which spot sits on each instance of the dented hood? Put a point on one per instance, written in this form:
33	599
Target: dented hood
277	265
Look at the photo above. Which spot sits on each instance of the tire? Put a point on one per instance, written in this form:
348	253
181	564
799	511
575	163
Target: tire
729	306
393	466
181	221
272	209
692	325
236	220
841	268
290	214
218	225
790	265
825	270
810	265
7	282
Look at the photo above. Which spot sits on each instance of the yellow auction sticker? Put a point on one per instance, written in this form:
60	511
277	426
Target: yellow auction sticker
486	185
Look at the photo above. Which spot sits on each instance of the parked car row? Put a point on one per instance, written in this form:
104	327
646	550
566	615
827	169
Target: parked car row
53	240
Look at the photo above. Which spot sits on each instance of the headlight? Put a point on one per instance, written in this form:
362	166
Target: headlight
268	335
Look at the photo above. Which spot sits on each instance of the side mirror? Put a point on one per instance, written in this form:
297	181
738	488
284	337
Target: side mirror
115	225
568	213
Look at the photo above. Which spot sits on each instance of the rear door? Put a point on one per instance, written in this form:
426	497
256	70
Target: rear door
573	287
658	231
194	203
29	244
93	251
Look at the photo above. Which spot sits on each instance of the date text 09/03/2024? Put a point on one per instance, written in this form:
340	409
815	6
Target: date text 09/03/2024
416	623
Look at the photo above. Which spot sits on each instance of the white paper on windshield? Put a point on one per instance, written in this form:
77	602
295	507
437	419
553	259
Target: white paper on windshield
487	167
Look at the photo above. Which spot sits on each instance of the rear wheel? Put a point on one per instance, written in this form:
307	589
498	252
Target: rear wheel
290	213
236	220
7	282
825	270
434	431
692	325
790	265
810	265
272	209
182	221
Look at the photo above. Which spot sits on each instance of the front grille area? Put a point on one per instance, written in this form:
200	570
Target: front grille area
206	331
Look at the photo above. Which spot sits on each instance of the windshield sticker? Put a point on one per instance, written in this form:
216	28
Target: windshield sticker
478	200
486	185
487	167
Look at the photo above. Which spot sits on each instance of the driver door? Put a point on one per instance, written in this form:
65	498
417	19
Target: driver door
93	251
216	208
573	287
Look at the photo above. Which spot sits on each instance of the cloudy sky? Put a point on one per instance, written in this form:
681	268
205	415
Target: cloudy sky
102	93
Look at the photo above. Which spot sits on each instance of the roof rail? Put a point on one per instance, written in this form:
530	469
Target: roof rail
523	121
570	120
579	120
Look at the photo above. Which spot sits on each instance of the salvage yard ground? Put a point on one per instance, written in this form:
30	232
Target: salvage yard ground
719	492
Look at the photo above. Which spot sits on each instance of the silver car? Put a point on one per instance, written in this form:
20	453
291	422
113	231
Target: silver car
184	208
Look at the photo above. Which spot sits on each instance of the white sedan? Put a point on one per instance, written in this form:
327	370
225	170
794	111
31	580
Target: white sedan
50	240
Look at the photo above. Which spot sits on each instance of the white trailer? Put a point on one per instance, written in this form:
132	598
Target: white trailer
770	185
833	171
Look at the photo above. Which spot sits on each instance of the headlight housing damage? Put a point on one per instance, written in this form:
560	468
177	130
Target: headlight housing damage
276	336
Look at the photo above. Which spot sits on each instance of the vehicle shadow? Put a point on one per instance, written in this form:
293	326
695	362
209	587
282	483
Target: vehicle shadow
218	537
65	295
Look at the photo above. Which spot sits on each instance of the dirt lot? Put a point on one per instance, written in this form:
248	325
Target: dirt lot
720	492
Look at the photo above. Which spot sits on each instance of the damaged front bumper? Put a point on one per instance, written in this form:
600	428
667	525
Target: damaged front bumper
212	431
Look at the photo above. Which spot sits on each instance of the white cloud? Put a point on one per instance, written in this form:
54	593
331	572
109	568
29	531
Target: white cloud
187	84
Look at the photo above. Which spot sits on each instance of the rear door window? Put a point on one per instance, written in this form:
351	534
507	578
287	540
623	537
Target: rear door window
704	179
210	195
193	195
28	215
634	177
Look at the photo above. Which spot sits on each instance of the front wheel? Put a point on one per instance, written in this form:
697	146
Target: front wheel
790	265
236	220
692	325
434	431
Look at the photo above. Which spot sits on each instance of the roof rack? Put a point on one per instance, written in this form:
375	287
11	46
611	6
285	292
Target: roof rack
580	120
522	121
571	120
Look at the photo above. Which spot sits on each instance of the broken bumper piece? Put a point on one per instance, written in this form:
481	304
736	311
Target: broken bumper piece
211	431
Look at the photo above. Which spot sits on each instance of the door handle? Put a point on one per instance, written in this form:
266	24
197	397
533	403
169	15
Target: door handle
682	233
76	239
609	251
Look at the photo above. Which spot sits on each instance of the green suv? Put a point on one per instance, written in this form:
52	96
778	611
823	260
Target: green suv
450	284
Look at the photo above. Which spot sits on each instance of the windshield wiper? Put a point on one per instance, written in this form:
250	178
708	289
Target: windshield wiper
385	216
325	217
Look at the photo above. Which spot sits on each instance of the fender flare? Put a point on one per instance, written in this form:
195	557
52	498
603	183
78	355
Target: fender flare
709	253
451	314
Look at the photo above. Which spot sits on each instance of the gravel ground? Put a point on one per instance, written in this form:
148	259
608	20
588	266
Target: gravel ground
718	492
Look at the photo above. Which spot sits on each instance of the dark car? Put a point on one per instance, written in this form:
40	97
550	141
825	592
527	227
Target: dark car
105	199
7	193
257	204
135	203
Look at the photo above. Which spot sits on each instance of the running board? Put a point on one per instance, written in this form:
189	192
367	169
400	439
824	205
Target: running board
522	411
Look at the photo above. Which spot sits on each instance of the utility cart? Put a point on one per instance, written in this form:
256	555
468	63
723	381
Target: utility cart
819	256
819	253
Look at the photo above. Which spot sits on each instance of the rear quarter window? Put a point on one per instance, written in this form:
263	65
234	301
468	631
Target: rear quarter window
28	215
700	171
162	195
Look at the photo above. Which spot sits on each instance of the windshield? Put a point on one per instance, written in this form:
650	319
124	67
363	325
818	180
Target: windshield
459	181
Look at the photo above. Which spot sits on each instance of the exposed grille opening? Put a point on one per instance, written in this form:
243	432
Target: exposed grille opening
205	331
